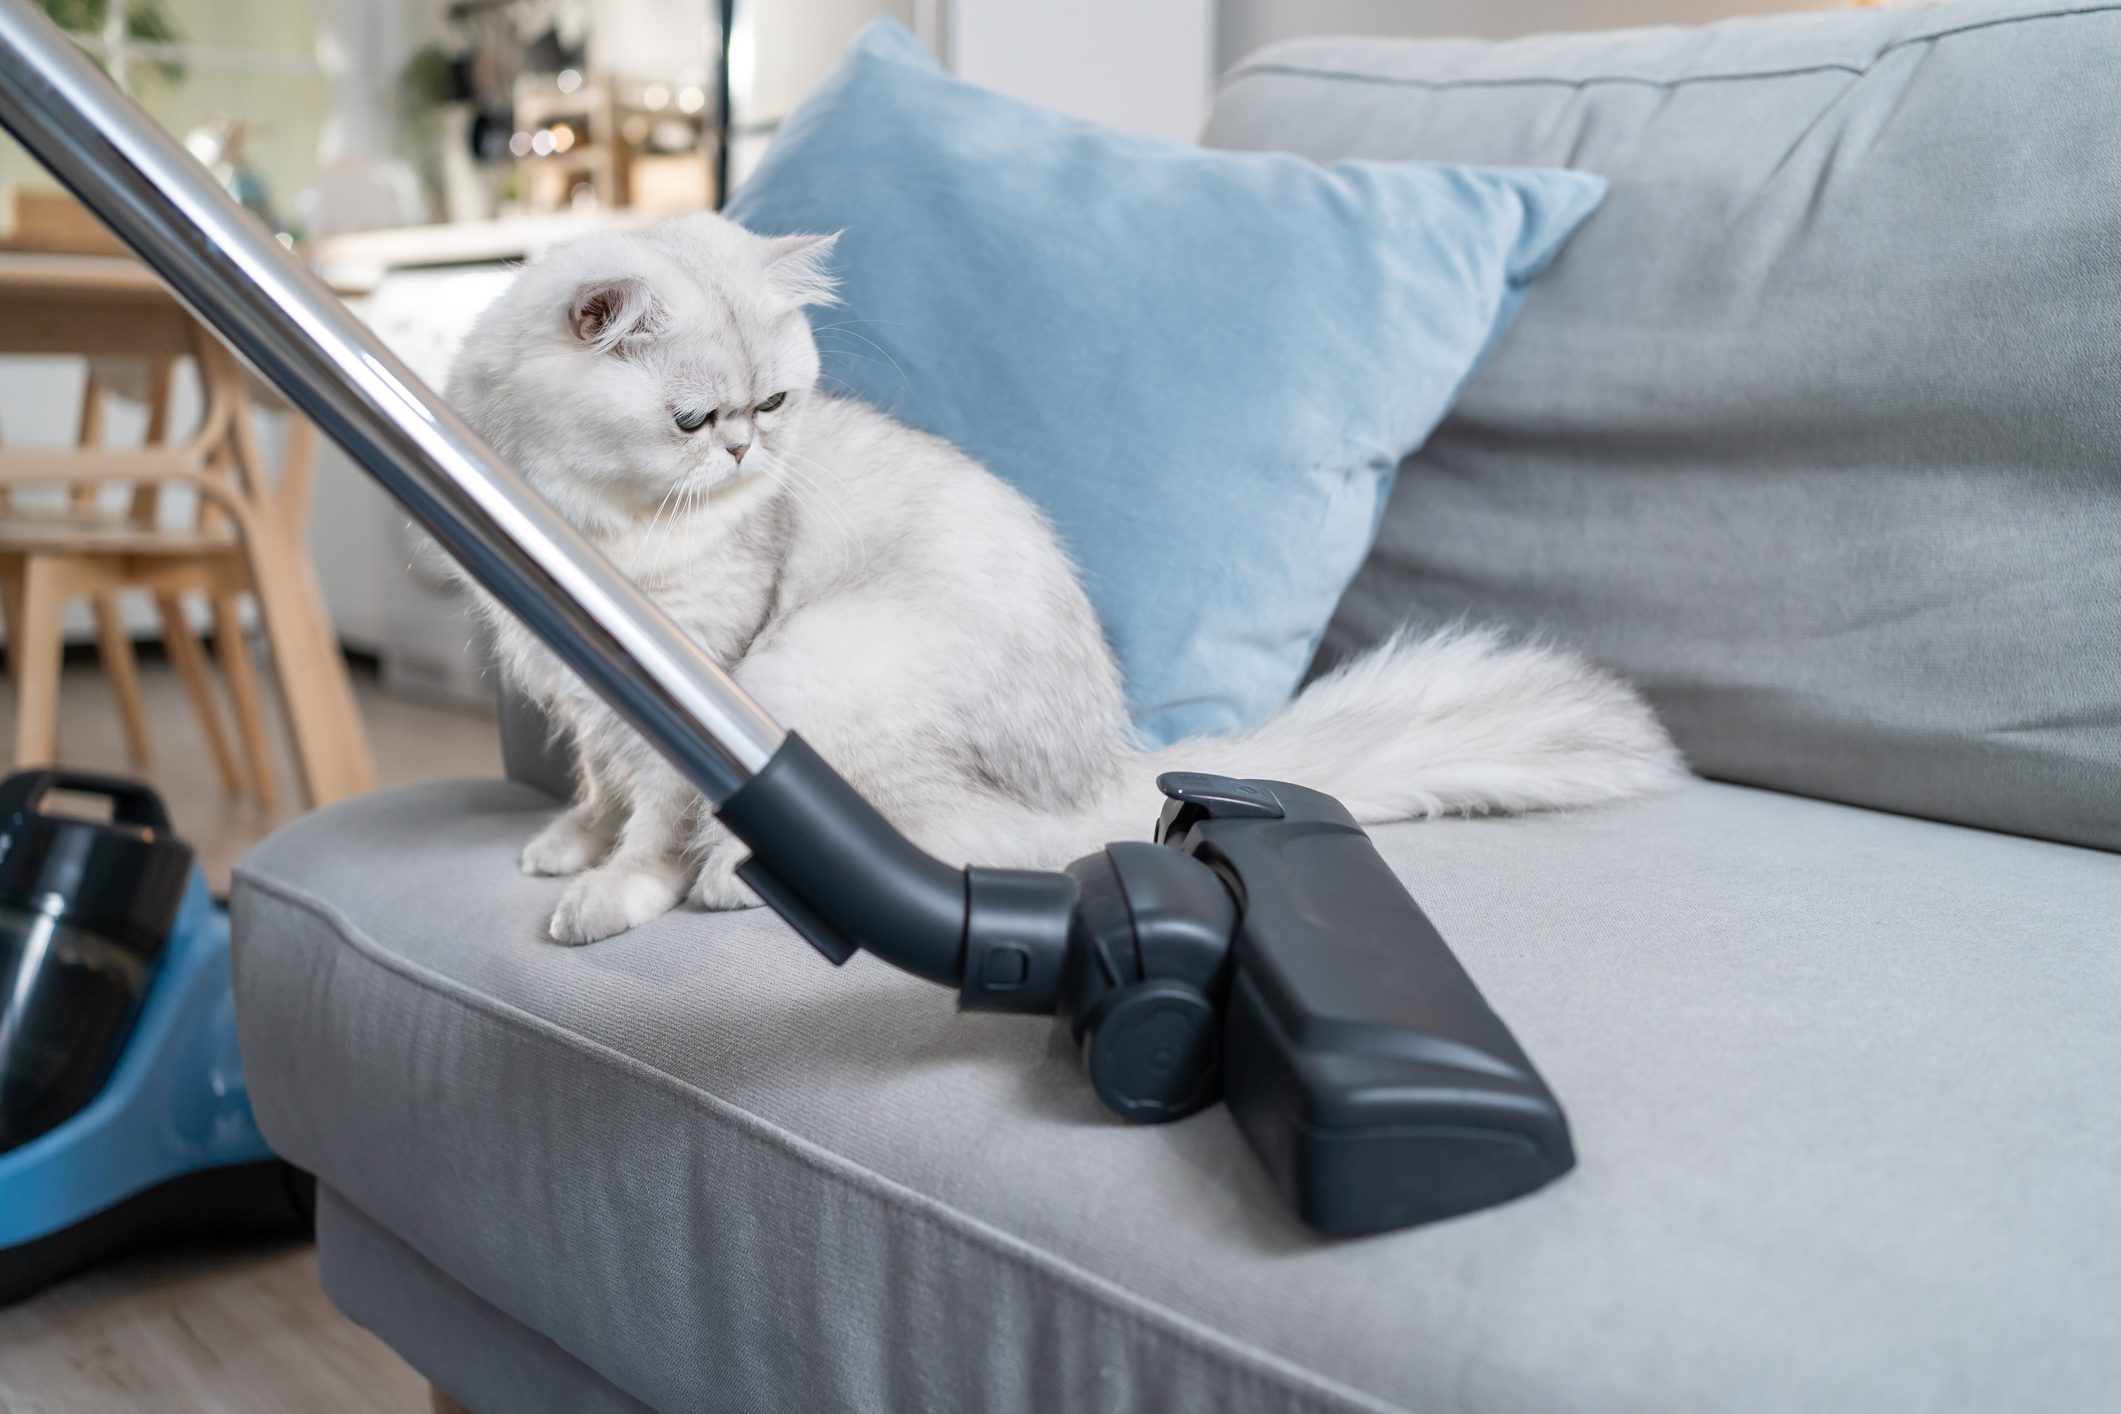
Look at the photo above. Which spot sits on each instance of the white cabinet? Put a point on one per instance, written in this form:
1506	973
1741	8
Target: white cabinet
385	595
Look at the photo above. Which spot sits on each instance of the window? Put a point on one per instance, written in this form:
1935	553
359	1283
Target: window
241	81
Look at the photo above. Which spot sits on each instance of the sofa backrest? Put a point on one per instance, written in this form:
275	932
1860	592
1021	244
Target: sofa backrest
1815	428
531	750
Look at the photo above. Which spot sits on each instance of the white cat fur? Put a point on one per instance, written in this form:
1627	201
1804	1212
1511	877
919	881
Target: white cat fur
908	613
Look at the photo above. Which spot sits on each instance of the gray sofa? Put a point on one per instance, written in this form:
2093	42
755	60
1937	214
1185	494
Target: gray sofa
1815	430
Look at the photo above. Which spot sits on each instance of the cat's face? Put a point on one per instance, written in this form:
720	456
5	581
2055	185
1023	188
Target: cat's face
640	376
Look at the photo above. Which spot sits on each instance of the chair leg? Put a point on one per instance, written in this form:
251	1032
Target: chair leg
11	572
36	649
114	646
331	745
332	757
189	660
233	647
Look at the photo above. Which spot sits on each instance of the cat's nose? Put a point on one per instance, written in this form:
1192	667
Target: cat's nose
739	449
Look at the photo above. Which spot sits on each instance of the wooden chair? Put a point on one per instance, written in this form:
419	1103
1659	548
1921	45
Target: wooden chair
247	539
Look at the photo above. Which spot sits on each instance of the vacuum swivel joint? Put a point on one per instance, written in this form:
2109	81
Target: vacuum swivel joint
1131	945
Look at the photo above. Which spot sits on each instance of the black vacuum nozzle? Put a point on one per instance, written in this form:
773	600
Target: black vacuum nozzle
1260	951
1369	1074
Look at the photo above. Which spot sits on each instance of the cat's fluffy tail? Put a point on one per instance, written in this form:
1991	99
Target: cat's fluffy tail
1457	722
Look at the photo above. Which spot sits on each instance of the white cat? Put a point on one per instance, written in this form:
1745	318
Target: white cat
904	610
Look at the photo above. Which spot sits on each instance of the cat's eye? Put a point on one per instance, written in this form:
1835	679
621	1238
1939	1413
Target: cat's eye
773	402
690	421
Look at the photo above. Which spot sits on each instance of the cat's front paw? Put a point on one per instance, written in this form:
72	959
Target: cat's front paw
718	887
564	846
612	898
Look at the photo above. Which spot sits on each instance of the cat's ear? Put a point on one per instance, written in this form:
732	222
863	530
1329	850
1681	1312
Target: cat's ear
797	270
605	313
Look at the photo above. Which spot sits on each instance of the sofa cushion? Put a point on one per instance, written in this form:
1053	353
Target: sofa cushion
1840	1083
1814	429
1202	366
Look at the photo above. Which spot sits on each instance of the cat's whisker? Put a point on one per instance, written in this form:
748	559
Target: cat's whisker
884	353
809	468
812	494
808	494
850	353
660	508
865	339
843	323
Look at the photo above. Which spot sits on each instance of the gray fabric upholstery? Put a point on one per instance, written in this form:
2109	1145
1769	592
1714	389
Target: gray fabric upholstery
1841	1083
531	751
1815	428
486	1360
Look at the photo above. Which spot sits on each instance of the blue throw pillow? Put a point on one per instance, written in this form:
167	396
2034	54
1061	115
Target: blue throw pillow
1204	366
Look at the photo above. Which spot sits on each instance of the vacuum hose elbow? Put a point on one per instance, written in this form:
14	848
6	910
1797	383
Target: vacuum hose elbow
841	874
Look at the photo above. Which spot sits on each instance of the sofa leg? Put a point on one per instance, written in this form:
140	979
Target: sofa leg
441	1403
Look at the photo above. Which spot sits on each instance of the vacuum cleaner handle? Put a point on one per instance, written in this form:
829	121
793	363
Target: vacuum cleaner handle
270	308
132	803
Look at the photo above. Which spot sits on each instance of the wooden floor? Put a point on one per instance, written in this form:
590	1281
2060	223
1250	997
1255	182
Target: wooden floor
244	1331
228	1331
413	741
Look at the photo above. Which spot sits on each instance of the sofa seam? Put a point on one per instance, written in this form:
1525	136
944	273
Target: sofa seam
1525	80
1137	1309
1857	70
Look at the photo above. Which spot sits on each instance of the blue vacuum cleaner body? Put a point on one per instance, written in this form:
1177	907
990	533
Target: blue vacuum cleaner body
124	1118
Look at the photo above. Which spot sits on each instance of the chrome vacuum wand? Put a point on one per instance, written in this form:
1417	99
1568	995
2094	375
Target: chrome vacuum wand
235	275
1260	948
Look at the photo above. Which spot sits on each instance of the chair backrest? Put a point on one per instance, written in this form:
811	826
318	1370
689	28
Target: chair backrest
1814	428
143	505
132	335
